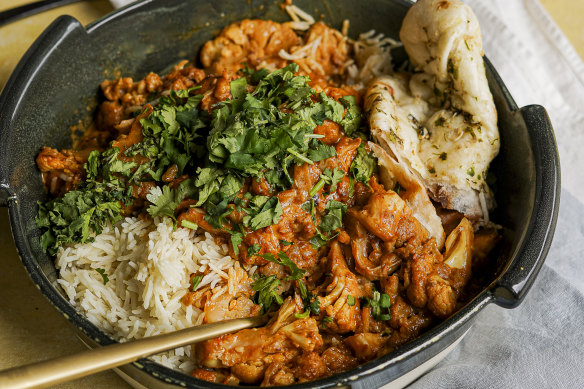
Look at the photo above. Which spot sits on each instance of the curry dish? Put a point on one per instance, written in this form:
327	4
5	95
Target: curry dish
282	156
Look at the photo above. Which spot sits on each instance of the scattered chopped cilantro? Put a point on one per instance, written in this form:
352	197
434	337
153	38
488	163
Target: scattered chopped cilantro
302	315
103	275
326	320
264	216
253	250
257	134
351	300
379	304
334	218
363	165
352	118
195	281
333	176
77	216
317	187
165	200
295	272
398	188
188	224
266	294
311	302
236	239
320	152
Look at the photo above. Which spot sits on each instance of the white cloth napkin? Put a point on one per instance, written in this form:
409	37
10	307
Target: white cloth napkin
540	344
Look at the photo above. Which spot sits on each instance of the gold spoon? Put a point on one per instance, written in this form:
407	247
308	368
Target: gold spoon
54	371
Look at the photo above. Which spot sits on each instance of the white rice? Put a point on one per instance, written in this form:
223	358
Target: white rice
148	264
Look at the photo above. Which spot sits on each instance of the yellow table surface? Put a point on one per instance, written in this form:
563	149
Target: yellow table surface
30	328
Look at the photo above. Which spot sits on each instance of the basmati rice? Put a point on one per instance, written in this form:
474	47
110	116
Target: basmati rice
148	264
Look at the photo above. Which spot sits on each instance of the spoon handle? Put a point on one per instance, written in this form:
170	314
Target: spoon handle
54	371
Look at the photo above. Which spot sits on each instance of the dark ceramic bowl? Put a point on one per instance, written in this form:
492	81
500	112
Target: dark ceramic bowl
56	85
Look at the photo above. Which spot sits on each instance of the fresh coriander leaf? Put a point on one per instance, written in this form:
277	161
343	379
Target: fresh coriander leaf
318	241
216	211
333	177
334	219
163	202
326	320
295	272
302	315
188	224
77	215
269	214
195	281
92	164
352	118
363	165
238	89
379	304
236	239
398	188
103	275
350	300
266	294
317	187
311	302
253	250
321	151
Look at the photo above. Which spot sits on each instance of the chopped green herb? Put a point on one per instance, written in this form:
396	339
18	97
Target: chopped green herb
295	272
470	171
351	186
352	118
165	201
73	217
379	304
103	275
302	315
236	239
334	219
443	156
363	165
398	188
266	294
317	187
351	300
253	250
333	177
188	224
195	281
326	320
258	134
